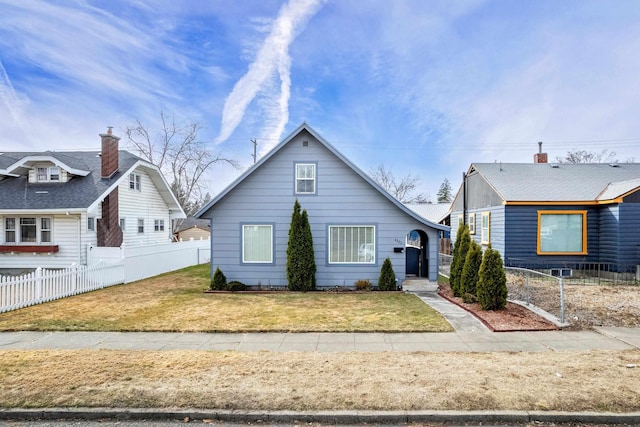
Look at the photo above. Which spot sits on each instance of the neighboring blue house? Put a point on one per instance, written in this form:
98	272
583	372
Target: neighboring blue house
553	216
354	222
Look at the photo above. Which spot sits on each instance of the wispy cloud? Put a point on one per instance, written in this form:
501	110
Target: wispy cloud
272	61
8	95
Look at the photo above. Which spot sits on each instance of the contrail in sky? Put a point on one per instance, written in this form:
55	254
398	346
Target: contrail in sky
272	59
8	95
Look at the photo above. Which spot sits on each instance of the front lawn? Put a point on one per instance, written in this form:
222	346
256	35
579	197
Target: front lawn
176	302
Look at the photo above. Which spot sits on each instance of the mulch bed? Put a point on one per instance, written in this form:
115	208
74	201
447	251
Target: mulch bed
513	318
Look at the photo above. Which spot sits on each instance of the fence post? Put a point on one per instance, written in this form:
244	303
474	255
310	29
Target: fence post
527	275
38	283
561	299
74	277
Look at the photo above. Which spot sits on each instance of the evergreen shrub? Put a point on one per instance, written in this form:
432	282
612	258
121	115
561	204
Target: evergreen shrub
218	281
470	272
492	281
460	249
387	279
301	263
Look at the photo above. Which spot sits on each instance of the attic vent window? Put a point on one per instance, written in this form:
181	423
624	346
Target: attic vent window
614	165
555	166
305	143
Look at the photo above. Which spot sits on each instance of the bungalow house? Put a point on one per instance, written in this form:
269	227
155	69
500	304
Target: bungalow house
54	206
355	223
554	216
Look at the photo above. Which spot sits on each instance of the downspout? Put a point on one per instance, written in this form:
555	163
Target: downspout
464	198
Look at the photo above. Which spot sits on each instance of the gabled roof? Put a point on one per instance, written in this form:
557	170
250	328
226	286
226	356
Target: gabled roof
83	192
546	182
289	138
191	222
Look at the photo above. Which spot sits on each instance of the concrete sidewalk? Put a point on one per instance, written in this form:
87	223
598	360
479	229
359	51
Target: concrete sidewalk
601	339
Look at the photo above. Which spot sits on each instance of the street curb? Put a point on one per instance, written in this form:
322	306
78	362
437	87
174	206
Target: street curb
325	417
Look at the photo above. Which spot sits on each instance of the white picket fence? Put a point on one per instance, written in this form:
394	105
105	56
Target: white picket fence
44	285
106	267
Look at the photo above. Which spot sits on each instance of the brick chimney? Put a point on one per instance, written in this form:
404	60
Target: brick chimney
540	157
108	227
109	153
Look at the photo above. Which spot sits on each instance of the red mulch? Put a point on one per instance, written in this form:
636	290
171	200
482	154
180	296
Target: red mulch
513	318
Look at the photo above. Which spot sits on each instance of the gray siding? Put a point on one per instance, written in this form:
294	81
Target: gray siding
610	234
496	224
266	196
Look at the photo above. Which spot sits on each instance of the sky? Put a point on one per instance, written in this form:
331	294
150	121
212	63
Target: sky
423	87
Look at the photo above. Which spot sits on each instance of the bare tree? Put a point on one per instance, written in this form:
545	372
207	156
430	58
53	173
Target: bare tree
586	156
403	189
181	157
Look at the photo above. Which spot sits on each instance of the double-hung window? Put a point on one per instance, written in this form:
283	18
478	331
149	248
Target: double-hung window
135	182
472	223
305	178
28	230
352	244
257	243
158	225
10	230
485	231
562	232
140	225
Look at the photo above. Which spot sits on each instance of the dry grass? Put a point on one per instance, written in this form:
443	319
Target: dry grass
177	302
590	381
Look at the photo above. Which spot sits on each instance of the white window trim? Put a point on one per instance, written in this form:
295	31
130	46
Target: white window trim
158	225
313	179
138	226
48	173
18	230
472	223
135	181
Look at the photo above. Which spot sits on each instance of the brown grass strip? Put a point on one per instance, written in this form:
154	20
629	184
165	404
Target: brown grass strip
589	381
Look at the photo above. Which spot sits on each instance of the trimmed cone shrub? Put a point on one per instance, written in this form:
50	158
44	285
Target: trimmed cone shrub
492	281
387	279
470	272
463	240
301	263
218	281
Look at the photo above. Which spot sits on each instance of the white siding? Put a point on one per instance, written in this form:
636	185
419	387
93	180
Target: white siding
146	204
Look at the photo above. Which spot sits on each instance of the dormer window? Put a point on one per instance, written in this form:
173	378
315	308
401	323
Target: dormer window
48	174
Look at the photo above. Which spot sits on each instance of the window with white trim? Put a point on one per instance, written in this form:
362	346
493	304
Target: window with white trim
352	244
45	230
28	230
10	230
48	174
485	232
257	243
91	223
158	225
140	225
123	224
305	178
562	232
472	223
135	182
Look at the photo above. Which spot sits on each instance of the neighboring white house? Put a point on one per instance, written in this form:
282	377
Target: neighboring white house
54	206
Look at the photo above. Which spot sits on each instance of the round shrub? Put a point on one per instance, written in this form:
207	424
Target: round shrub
236	286
362	285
